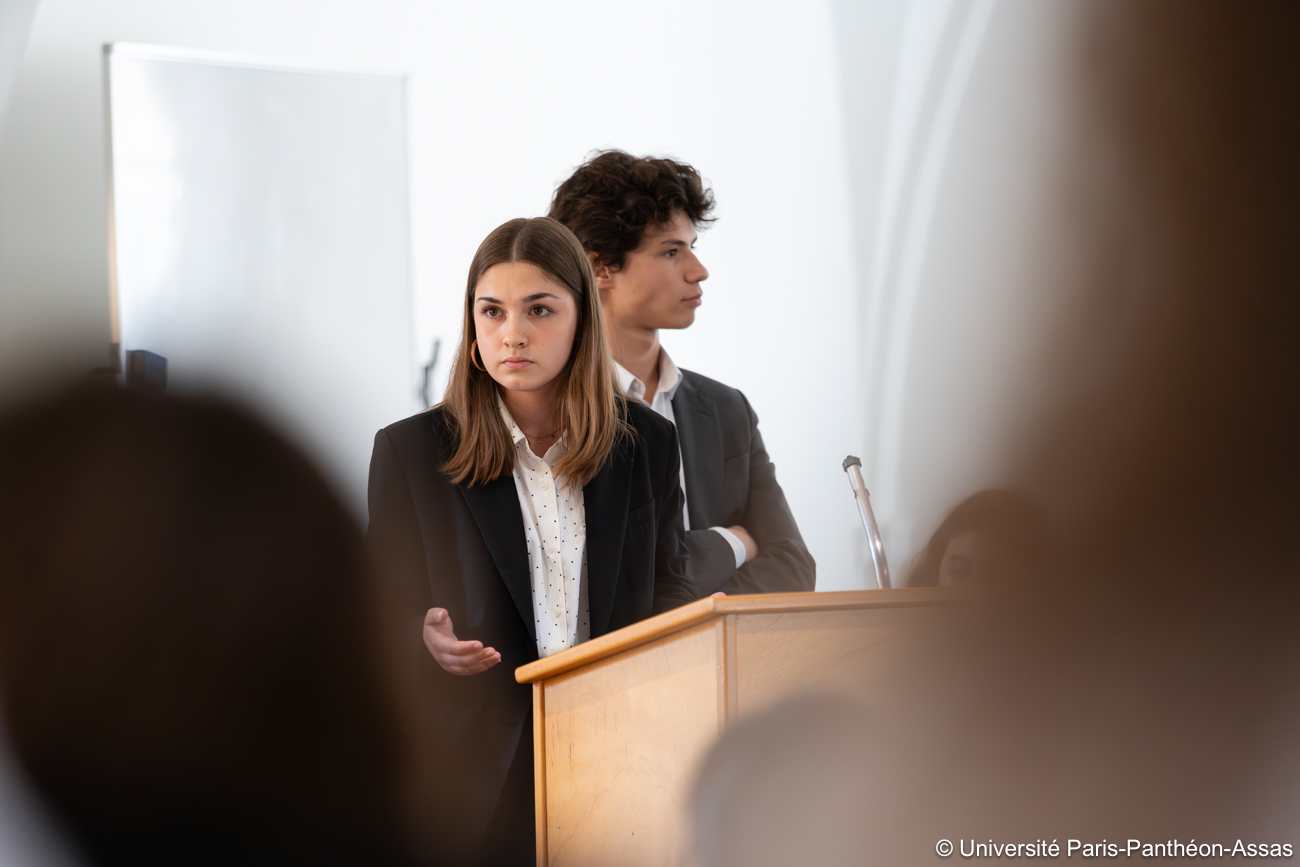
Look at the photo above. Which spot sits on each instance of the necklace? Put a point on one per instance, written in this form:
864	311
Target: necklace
538	440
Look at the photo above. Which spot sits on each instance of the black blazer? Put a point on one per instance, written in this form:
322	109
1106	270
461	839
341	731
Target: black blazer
463	548
730	480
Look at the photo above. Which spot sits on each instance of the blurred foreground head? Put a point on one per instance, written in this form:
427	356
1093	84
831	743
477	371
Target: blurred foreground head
1152	694
188	656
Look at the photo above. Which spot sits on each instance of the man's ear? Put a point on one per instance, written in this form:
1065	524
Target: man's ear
604	273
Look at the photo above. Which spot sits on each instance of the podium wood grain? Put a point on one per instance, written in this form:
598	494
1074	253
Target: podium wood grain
622	722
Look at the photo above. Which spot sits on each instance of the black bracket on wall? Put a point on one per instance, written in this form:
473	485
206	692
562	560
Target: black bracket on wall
426	383
145	369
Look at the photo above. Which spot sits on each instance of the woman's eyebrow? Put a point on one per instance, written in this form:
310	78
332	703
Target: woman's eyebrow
530	299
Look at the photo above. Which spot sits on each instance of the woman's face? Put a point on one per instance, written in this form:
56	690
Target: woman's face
525	323
969	558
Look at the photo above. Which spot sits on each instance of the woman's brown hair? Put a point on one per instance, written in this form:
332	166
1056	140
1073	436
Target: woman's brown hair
592	409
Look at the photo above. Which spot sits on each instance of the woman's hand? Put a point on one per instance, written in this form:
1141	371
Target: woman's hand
457	657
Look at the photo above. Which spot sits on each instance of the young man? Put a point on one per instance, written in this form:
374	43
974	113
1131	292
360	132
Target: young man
637	217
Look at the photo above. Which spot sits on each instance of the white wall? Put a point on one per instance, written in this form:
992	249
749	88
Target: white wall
958	116
506	98
15	21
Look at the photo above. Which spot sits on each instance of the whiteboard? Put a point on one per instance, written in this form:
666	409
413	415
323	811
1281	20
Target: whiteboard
260	239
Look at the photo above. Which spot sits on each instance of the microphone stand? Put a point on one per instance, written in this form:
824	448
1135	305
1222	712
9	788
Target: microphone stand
853	467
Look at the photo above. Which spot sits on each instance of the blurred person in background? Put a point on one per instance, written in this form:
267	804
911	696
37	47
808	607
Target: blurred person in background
638	218
535	508
190	657
1151	695
993	537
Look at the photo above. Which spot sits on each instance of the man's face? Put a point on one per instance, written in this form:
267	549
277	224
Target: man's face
659	283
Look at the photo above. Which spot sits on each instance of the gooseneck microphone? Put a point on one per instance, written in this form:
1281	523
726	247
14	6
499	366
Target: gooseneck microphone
853	467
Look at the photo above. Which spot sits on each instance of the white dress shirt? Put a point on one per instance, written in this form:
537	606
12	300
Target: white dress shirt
662	402
555	525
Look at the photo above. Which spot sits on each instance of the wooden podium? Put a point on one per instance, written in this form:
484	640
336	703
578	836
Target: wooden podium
621	722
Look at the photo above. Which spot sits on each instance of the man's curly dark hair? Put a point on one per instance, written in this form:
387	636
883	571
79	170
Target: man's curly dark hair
612	198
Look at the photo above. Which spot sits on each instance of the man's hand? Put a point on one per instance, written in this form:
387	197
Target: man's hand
751	547
458	657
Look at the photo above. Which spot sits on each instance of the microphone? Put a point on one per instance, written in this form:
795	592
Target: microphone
853	467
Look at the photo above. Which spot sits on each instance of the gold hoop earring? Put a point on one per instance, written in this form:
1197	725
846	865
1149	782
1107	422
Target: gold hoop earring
473	347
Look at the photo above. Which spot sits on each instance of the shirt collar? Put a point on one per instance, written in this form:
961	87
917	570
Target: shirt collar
515	433
520	439
670	377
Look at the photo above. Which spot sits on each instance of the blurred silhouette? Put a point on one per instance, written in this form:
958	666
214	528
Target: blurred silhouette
992	537
189	654
1150	694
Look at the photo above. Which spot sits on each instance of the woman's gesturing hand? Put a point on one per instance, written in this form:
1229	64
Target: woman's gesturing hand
457	657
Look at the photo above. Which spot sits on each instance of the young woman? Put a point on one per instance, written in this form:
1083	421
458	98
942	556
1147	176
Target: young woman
533	509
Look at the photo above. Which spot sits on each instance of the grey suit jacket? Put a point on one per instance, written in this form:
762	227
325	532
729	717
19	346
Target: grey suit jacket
730	480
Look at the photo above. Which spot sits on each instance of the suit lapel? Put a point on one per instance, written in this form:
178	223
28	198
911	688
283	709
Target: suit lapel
700	438
495	507
605	502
